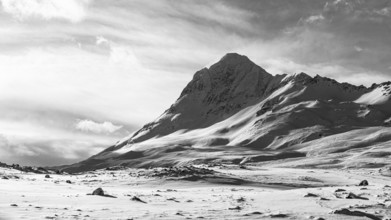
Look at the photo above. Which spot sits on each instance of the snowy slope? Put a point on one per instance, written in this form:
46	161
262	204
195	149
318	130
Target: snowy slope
235	110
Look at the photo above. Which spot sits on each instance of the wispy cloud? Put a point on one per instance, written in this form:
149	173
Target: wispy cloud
91	126
384	11
31	143
47	152
71	10
314	19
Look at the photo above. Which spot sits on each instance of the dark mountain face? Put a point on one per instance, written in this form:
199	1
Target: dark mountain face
236	109
213	95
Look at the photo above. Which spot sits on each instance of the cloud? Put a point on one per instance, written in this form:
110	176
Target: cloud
91	126
384	11
358	49
39	152
315	18
34	134
71	10
46	143
101	40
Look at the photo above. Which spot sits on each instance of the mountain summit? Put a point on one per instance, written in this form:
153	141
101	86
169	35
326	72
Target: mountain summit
235	111
212	95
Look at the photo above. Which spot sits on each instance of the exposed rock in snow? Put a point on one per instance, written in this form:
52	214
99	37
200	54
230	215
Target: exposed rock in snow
98	192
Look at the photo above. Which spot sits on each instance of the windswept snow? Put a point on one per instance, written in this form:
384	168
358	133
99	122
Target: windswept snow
219	192
374	97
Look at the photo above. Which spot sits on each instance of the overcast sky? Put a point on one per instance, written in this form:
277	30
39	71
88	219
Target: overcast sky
78	75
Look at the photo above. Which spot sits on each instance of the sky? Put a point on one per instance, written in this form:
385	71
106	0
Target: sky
78	75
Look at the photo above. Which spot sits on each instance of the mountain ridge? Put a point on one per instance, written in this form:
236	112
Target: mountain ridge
235	109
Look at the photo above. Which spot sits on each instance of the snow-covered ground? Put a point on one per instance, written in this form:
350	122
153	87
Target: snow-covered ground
217	192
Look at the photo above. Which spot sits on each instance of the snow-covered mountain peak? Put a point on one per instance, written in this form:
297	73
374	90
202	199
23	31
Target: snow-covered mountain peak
297	77
233	75
233	59
213	95
236	105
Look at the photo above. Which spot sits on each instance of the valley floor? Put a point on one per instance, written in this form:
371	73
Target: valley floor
218	192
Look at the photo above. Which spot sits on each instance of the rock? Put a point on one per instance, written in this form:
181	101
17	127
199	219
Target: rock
47	176
253	213
355	213
137	199
173	199
4	178
315	218
235	208
98	192
311	195
14	205
363	183
68	181
180	171
354	196
241	199
309	179
340	190
279	215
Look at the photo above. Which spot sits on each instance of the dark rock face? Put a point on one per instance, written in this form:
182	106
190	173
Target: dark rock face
213	95
98	192
363	183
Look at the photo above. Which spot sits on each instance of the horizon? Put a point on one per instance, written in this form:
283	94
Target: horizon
78	76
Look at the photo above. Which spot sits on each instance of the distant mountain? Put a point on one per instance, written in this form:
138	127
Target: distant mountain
236	112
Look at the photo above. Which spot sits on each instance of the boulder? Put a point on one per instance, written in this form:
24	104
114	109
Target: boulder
363	183
98	192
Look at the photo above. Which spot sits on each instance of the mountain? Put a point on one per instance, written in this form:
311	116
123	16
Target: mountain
236	112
